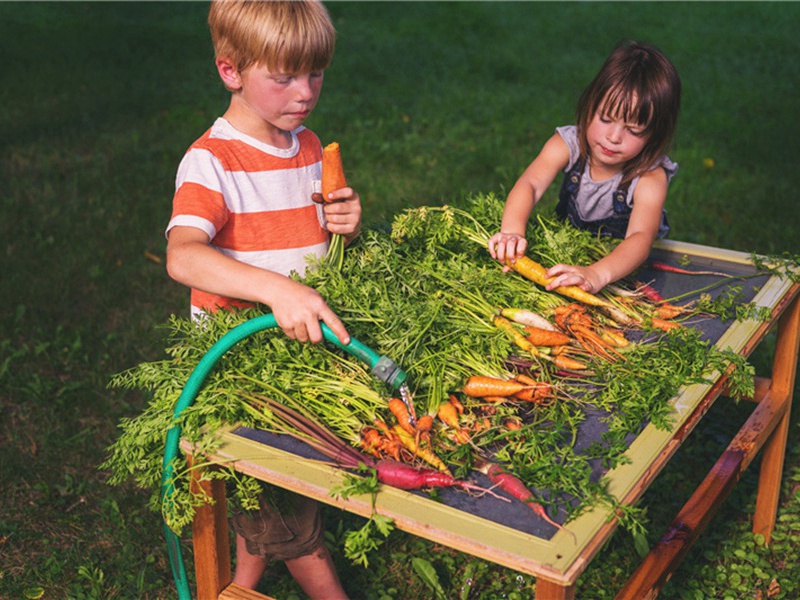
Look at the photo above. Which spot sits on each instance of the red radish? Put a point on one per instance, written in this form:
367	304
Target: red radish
660	266
650	293
514	487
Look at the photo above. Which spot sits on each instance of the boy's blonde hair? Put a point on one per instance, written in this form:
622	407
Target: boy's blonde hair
291	36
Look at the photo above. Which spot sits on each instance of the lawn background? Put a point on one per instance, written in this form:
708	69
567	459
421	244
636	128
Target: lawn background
430	102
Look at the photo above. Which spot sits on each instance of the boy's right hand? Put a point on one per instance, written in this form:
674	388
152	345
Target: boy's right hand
507	247
299	310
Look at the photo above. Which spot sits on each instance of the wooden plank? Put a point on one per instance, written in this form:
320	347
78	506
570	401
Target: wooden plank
237	592
766	426
212	555
784	370
548	590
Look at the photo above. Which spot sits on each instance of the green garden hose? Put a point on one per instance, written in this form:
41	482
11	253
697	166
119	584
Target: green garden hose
382	367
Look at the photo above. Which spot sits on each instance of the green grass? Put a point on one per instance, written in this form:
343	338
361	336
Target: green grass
430	101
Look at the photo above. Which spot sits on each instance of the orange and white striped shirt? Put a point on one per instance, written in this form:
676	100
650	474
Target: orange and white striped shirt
253	200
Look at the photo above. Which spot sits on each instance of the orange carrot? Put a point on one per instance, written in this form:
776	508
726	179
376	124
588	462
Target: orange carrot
664	325
457	403
515	335
495	399
513	424
448	414
543	337
570	364
479	386
536	394
524	379
332	172
668	311
400	412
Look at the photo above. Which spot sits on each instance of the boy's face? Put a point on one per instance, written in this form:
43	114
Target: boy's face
280	99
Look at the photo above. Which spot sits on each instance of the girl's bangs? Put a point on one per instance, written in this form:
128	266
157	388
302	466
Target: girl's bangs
627	105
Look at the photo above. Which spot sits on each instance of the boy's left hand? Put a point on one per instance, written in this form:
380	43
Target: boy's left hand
342	211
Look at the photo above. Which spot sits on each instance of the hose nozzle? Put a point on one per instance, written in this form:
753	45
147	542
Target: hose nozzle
387	370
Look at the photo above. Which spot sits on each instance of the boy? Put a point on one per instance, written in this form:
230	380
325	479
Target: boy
245	215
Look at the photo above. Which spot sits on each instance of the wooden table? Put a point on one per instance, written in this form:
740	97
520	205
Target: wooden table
557	562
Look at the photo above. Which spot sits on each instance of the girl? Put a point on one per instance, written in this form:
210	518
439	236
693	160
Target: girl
616	169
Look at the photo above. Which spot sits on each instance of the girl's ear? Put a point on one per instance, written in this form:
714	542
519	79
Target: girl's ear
228	73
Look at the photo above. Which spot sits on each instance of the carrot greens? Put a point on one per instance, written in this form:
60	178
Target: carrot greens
429	296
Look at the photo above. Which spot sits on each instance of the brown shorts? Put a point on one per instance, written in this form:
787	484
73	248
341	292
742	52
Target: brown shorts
294	532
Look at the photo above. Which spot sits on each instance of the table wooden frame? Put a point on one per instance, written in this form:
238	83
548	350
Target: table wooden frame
557	563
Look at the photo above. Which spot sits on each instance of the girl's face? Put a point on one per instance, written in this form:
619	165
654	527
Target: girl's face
613	141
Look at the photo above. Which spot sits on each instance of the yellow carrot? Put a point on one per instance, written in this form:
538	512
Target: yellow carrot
516	335
423	453
532	270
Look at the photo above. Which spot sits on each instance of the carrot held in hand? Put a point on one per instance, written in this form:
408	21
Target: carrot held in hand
332	172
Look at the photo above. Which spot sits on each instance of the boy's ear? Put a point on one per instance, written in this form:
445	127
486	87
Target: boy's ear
228	73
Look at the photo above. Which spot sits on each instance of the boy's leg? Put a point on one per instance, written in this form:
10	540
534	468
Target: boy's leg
317	576
249	567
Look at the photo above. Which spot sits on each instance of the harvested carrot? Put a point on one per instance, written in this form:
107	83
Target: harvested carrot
513	424
420	452
457	403
527	317
537	393
668	311
515	488
525	379
422	432
400	412
391	443
448	414
664	325
479	386
516	335
613	337
532	270
544	337
371	441
569	364
332	172
495	399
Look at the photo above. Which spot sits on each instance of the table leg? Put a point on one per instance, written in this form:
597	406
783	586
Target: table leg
549	590
784	369
212	555
767	428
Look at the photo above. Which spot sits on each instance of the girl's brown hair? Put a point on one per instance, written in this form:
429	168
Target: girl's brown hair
637	84
289	37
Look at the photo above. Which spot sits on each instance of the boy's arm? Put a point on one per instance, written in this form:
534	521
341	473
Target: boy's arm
510	242
649	197
298	309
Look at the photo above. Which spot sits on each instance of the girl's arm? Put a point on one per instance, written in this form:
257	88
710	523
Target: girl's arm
510	243
648	203
298	309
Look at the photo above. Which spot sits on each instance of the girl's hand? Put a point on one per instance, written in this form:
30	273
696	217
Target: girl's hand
342	211
585	278
507	247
